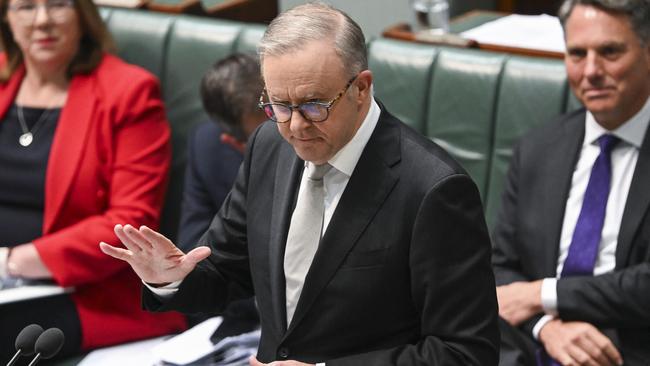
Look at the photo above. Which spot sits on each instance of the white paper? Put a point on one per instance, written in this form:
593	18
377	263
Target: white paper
539	32
130	354
31	292
190	345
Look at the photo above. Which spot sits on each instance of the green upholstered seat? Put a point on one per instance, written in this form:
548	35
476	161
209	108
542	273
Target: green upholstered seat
249	38
141	37
401	78
462	100
533	90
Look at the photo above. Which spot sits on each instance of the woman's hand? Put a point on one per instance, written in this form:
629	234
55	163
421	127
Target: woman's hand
25	262
153	257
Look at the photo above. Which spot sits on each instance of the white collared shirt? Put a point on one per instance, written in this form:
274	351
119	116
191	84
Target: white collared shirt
624	158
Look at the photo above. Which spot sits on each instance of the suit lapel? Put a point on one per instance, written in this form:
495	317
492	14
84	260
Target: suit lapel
558	166
69	141
370	184
637	203
287	180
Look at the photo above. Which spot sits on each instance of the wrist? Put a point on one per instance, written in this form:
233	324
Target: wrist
547	329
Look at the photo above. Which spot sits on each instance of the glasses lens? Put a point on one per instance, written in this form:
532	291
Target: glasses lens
314	112
281	113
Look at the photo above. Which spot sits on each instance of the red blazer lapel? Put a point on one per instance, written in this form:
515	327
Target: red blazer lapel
69	141
9	90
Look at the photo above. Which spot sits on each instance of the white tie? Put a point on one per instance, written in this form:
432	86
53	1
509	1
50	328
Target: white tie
304	234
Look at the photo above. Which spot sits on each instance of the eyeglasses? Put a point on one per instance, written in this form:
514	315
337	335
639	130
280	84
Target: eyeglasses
58	10
311	111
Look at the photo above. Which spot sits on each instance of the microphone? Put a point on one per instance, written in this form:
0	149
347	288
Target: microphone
25	342
48	344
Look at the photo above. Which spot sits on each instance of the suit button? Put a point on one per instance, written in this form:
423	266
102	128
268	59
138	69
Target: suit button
283	353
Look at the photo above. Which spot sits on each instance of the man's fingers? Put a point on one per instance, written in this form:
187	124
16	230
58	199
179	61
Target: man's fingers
197	254
609	351
125	238
140	240
157	240
114	252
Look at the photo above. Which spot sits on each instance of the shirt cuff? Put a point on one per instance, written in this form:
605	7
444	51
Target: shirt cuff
164	292
549	296
540	324
320	364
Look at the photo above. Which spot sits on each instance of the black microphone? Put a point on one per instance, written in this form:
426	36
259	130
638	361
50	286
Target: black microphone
25	342
48	344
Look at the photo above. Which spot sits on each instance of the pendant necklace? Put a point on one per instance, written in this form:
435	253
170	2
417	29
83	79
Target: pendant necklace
28	136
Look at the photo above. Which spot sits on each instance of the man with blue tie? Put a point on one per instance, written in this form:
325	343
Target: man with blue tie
572	240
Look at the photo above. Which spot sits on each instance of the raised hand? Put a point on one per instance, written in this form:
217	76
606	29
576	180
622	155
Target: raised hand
153	257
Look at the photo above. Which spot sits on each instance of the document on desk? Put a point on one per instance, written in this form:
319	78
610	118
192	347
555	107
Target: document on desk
13	290
539	32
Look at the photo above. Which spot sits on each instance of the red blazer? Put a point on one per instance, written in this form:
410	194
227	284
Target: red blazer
108	164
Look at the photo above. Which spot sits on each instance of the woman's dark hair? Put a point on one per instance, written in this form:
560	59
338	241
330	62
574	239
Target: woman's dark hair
95	40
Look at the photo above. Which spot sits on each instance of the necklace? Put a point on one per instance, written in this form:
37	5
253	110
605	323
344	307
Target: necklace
28	136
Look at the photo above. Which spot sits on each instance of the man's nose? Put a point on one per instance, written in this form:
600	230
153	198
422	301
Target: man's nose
593	66
298	122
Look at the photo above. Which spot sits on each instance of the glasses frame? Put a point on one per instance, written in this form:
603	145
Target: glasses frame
292	107
69	4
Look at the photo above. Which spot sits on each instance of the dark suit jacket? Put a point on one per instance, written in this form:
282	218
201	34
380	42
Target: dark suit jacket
529	225
402	274
212	167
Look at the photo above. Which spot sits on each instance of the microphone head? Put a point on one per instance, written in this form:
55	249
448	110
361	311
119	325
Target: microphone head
26	339
49	343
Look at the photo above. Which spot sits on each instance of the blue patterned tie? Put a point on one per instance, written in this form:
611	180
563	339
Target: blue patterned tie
583	250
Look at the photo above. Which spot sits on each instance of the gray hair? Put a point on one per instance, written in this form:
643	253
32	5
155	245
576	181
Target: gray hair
637	11
316	21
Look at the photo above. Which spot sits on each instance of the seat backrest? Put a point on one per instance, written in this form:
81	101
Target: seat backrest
178	49
473	103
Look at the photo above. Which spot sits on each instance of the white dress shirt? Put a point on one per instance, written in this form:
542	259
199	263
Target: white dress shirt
624	157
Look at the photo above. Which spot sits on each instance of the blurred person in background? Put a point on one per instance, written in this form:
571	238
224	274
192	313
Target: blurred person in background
84	144
230	91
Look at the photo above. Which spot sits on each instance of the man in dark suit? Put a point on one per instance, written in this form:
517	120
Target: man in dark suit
572	240
363	241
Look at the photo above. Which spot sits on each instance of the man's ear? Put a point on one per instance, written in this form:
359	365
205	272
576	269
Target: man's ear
364	84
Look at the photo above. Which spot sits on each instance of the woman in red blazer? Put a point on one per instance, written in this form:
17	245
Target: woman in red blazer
84	145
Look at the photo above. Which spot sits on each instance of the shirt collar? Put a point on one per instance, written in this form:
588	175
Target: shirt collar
345	160
632	131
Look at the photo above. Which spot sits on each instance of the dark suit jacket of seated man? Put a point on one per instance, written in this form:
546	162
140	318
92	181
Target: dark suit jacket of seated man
603	316
402	273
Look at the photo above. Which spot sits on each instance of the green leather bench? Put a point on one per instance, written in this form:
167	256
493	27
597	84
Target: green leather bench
473	103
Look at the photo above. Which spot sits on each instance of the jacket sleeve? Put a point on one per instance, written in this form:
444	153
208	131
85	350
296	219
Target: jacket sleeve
136	135
451	283
618	299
